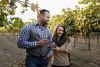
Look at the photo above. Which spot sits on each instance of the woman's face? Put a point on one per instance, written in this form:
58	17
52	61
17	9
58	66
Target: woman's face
60	31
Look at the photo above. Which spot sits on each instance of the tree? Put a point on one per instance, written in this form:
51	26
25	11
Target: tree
89	18
7	11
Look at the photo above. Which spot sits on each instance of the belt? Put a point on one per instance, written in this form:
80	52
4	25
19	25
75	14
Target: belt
36	56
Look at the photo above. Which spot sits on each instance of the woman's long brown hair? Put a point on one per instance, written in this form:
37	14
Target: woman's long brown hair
64	36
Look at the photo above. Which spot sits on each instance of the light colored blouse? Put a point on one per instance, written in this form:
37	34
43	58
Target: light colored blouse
61	58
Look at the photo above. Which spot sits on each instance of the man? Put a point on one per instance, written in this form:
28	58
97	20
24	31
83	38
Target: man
36	38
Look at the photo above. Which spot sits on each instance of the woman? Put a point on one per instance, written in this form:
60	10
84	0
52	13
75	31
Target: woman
62	46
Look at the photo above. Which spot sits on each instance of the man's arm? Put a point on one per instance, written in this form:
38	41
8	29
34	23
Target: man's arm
50	38
50	53
23	39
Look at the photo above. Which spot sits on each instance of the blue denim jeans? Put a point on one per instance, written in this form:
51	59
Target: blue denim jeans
33	61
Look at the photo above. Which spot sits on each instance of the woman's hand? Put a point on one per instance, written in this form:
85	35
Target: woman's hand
57	48
60	49
53	45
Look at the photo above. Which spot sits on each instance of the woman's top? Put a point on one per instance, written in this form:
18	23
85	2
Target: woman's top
61	58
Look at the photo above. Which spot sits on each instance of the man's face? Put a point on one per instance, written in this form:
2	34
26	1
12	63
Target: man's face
45	18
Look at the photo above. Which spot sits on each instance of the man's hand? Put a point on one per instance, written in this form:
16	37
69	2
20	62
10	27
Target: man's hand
43	42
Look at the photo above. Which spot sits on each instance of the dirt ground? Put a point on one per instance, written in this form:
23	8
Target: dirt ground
12	56
9	53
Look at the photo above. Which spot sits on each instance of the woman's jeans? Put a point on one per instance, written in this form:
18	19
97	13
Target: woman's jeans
33	61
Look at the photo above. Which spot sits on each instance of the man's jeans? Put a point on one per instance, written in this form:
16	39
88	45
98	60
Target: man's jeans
33	61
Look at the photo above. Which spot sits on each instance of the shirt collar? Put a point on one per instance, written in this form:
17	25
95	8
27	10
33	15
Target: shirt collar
37	24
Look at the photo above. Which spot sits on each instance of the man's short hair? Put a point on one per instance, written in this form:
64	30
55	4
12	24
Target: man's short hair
42	11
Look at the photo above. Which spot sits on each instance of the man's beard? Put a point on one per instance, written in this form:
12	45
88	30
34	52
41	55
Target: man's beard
45	23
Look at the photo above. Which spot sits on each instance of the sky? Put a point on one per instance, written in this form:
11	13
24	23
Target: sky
54	6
